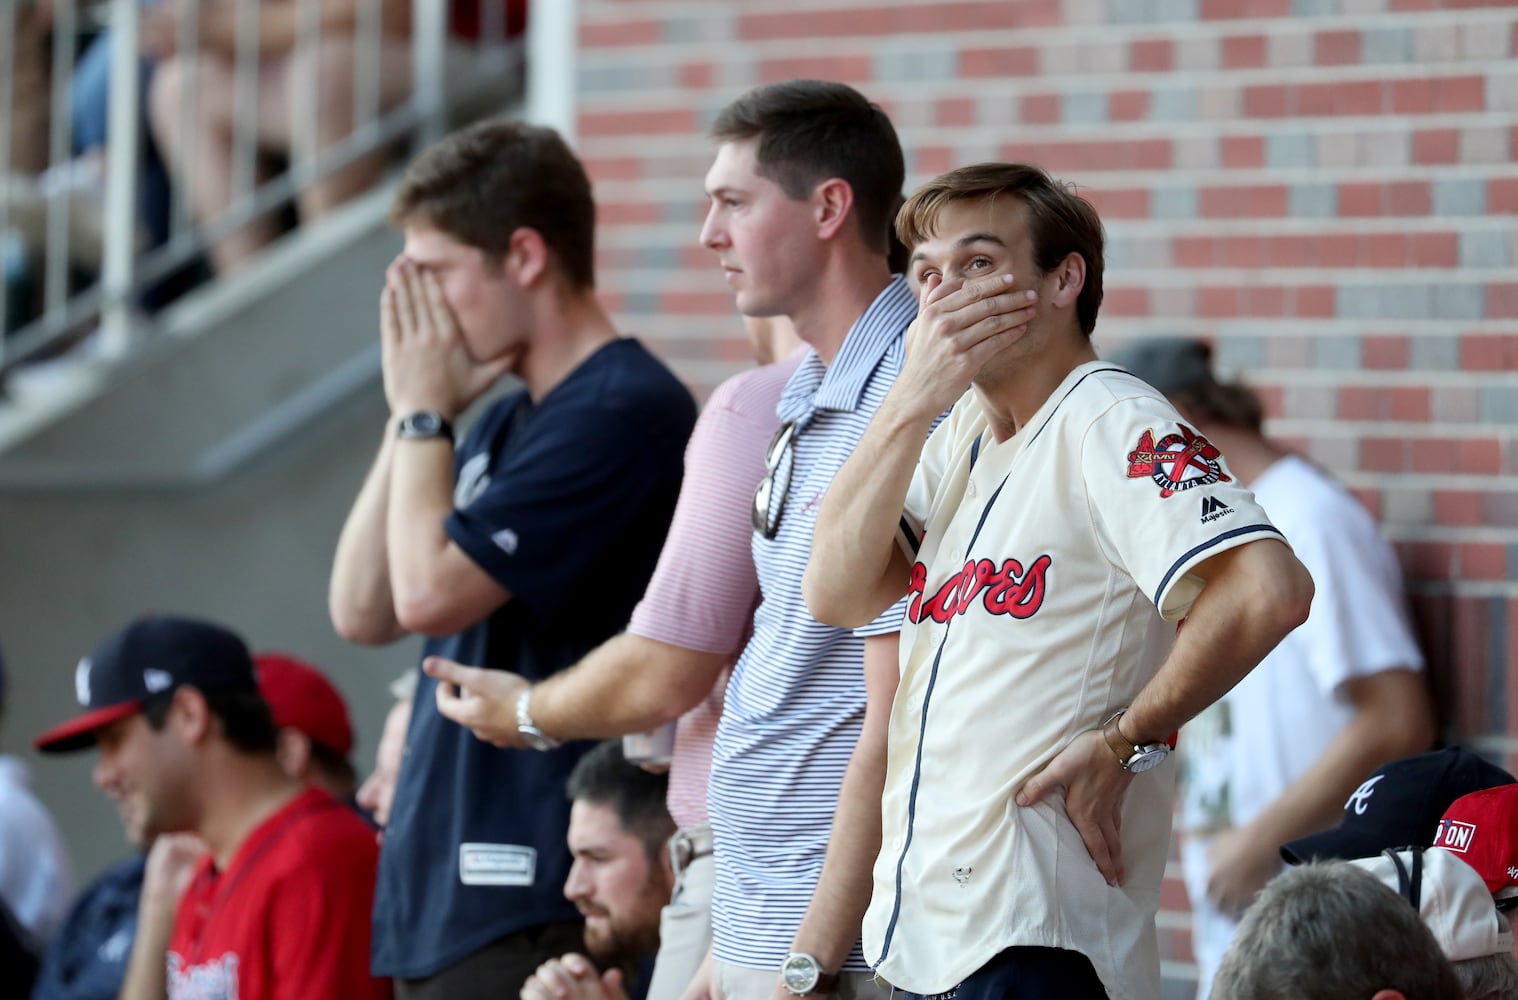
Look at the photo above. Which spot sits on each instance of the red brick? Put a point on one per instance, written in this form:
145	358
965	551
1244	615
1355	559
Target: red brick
1382	250
1194	251
1232	10
935	160
1457	508
954	111
1151	55
1123	154
1412	97
1409	198
935	18
1436	145
1404	5
1242	251
1434	249
1128	105
1435	455
1243	151
1244	52
615	168
1120	203
1460	93
1384	352
1411	404
1502	195
1315	302
1274	399
1013	61
696	303
1481	456
620	213
1040	109
1361	198
615	34
1482	561
1217	303
845	69
1426	560
1267	100
1126	301
1487	353
698	75
663	121
1360	403
1258	201
1502	301
1336	48
1267	300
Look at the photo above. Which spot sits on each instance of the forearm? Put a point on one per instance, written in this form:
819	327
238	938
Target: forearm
1396	721
146	972
831	924
628	684
358	596
1255	595
849	578
420	501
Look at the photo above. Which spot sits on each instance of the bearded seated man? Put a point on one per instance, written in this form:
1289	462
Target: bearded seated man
619	830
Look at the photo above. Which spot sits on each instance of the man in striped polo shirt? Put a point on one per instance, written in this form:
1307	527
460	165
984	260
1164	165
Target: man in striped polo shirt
1049	536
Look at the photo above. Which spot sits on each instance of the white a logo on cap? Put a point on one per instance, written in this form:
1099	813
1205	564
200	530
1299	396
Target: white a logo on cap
82	682
1361	798
157	680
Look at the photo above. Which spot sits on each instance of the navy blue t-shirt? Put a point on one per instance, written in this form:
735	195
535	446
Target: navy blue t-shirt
87	958
565	503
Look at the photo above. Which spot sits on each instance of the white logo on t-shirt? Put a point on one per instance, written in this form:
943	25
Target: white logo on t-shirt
82	682
213	980
1361	798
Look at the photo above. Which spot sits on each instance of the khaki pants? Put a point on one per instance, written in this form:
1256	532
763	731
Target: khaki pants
736	983
685	925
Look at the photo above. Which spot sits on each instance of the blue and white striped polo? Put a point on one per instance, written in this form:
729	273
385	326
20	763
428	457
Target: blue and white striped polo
796	700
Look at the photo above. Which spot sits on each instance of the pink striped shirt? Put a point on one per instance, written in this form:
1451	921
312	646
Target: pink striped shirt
703	593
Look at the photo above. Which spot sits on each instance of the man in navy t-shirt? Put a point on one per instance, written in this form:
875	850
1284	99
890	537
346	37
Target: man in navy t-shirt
520	549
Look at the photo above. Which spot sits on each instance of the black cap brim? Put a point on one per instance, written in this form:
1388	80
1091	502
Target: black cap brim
79	733
1337	844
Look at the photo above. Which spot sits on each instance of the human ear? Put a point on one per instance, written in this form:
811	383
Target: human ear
832	202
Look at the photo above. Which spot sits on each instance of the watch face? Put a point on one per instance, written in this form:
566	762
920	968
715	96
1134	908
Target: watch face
800	973
424	424
1148	759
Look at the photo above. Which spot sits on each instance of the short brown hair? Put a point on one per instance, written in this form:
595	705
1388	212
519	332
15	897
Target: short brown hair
813	130
483	182
1060	221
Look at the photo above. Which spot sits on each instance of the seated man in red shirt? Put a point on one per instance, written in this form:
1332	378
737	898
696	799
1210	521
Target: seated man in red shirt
278	905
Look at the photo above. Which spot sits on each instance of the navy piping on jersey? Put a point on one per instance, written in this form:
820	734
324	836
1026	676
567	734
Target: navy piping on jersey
1246	529
906	526
927	696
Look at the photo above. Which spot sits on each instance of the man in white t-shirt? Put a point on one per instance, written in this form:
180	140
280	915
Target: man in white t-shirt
1277	757
1050	541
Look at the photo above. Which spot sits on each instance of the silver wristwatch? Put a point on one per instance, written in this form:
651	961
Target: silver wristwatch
531	734
803	976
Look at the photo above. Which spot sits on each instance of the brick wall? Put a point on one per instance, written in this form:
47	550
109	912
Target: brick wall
1324	187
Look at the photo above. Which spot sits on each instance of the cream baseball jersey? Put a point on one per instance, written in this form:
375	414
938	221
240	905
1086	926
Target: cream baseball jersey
1049	570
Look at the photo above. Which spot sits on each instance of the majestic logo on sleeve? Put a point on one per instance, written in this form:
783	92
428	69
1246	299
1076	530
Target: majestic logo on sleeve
1176	462
1008	589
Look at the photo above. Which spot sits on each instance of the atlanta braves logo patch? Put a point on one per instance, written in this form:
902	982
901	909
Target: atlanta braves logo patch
1176	462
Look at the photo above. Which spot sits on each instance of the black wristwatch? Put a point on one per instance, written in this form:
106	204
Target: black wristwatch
424	424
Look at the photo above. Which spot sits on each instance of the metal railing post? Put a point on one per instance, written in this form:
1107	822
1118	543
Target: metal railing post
552	30
122	164
429	35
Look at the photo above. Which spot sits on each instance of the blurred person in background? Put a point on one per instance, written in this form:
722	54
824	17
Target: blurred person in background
36	880
378	790
1329	931
257	884
315	734
520	549
619	831
87	959
1341	695
675	655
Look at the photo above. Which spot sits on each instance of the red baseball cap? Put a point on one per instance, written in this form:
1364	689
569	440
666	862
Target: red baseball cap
1482	828
301	697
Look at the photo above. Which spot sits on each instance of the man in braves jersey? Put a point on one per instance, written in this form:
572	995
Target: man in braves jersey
1046	556
519	548
277	904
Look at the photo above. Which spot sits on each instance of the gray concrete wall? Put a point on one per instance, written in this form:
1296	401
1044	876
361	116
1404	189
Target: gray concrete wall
253	551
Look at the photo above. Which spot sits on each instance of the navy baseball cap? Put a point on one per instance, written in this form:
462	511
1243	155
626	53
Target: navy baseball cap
148	657
1399	805
1170	364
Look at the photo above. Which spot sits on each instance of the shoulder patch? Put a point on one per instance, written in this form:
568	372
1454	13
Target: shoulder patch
1177	461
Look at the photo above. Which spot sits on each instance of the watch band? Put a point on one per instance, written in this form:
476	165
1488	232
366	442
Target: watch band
424	425
1132	756
531	734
